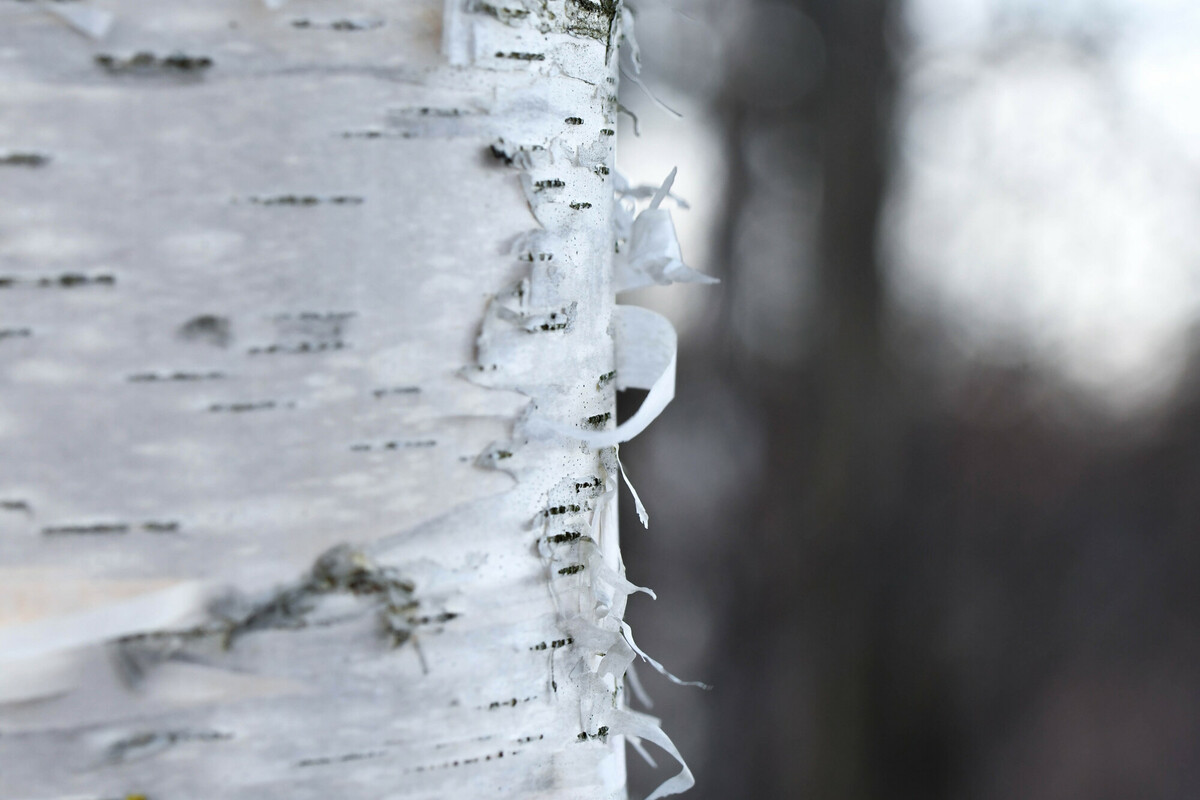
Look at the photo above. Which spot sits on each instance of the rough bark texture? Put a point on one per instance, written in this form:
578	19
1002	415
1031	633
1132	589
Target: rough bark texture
274	524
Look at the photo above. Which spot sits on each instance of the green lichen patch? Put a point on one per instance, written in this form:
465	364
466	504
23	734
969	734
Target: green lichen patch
508	14
591	19
340	570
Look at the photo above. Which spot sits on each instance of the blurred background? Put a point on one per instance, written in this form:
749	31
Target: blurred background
925	508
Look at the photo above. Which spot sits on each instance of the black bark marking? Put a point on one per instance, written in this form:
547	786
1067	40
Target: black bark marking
343	759
554	645
87	530
305	200
457	763
504	14
365	447
150	743
24	160
66	280
338	24
554	511
370	133
110	528
521	56
510	703
146	63
601	734
240	408
209	329
595	483
394	390
303	348
174	377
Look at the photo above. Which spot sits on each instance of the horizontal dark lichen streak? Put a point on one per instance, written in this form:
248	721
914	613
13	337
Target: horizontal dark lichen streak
145	63
396	390
364	447
522	56
341	25
505	15
303	348
305	200
553	511
239	408
461	763
428	111
343	759
24	159
115	528
66	280
15	333
174	377
528	739
150	742
94	529
308	316
554	645
512	703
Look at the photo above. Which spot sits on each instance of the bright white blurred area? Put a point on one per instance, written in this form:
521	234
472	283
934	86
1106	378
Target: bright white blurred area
695	149
1044	199
683	67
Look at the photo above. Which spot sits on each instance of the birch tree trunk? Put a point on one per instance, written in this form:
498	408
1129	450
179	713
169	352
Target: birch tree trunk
306	468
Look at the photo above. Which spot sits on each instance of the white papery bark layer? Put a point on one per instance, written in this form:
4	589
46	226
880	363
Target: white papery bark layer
272	523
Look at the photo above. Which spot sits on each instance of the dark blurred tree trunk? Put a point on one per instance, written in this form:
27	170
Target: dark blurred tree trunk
834	423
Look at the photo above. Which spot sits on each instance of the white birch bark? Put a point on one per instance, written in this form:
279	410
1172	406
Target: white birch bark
302	491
